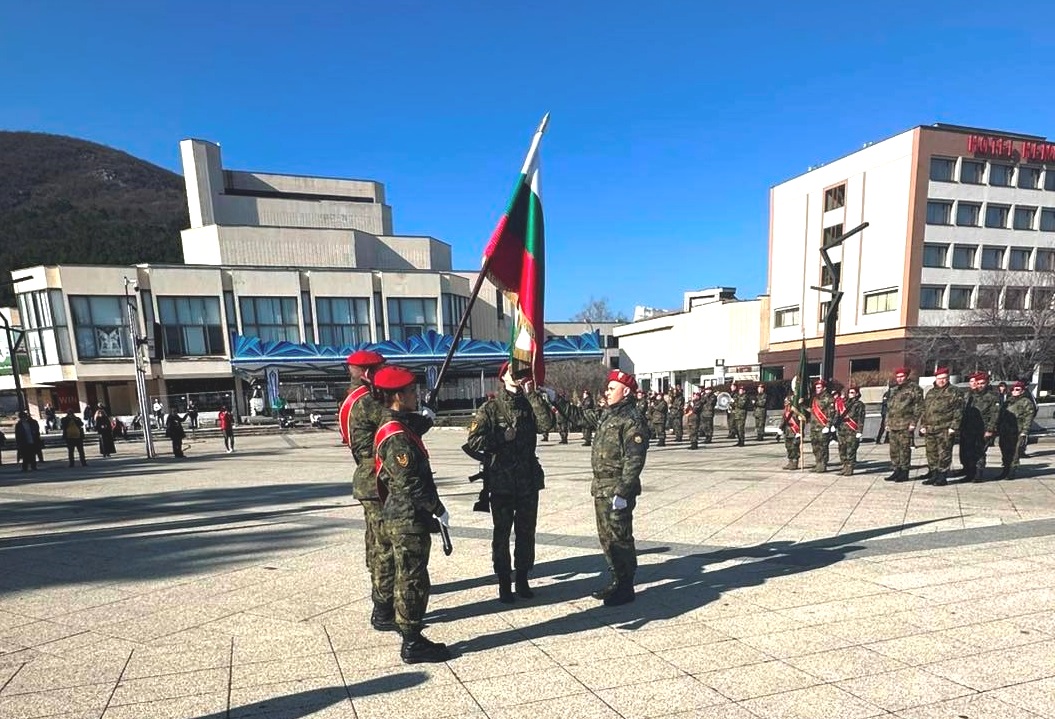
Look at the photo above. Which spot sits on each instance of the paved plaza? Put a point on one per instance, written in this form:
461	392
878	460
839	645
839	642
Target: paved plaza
234	586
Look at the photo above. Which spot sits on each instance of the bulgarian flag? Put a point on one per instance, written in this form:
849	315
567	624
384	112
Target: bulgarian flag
515	261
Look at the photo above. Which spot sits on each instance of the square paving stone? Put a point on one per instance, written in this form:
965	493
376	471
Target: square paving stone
511	690
903	688
819	702
755	680
846	663
657	698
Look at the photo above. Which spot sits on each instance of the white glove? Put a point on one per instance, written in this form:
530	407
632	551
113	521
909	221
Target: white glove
858	435
445	518
427	413
923	430
551	394
952	431
618	502
824	430
798	436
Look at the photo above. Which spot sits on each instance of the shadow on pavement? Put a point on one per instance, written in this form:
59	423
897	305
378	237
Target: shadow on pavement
677	586
302	704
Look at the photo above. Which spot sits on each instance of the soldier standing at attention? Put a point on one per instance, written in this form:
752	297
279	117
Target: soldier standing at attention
505	429
642	403
987	401
619	449
562	422
657	415
707	404
410	502
729	423
738	414
677	412
791	426
759	412
822	411
940	420
586	404
850	413
903	410
691	423
1016	416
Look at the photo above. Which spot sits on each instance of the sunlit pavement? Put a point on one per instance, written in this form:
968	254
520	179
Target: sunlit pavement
234	586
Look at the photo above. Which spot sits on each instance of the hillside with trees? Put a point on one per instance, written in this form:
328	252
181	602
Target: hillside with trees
70	201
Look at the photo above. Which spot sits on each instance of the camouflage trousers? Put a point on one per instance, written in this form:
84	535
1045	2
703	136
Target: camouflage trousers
900	448
615	530
692	426
819	442
848	444
939	450
587	434
739	426
378	554
791	446
562	430
660	433
707	427
519	514
1011	446
679	429
760	425
410	553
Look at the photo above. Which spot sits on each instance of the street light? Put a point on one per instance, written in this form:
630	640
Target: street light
12	346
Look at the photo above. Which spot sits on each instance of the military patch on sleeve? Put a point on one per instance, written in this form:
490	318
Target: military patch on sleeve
402	459
472	426
638	438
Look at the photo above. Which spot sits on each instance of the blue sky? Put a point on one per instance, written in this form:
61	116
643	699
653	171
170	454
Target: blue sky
670	119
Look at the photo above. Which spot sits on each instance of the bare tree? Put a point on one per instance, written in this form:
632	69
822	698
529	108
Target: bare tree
597	310
571	377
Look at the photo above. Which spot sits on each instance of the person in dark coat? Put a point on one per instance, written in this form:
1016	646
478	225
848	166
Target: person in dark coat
73	432
27	440
175	432
105	428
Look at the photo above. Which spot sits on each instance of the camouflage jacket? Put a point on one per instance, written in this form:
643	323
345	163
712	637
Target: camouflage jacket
404	473
822	404
691	418
1022	411
707	405
677	404
758	405
619	448
642	406
850	412
363	421
738	407
942	409
987	403
904	406
506	430
657	413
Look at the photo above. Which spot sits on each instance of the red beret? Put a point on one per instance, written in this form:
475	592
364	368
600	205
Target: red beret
1019	385
519	374
981	376
393	378
819	383
365	358
623	378
902	370
941	371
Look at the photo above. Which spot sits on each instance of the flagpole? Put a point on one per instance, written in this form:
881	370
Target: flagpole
433	391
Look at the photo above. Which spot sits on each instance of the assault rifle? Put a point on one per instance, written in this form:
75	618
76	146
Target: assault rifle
483	502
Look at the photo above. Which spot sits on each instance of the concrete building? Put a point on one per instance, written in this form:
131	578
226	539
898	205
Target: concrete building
280	272
959	219
715	338
605	332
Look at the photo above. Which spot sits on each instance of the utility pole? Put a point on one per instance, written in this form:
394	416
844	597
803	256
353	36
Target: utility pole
831	317
137	356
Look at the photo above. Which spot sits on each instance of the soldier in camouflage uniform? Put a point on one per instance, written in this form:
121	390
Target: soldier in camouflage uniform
708	402
619	449
738	414
822	419
363	414
410	504
587	404
980	418
939	423
730	424
677	413
903	410
791	425
1016	416
657	417
642	403
758	411
504	430
849	420
691	424
561	422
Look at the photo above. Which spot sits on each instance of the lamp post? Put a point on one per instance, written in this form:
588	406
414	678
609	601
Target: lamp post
13	345
831	317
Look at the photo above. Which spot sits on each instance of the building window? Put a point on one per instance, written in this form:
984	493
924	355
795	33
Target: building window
834	197
410	316
960	298
934	255
963	257
229	312
787	317
1029	178
100	326
613	362
343	321
864	364
309	322
822	313
43	318
996	216
831	234
379	318
968	214
992	258
1015	298
1049	179
931	298
1018	258
942	169
191	326
1024	218
972	172
1045	261
987	298
270	319
939	212
883	301
827	277
1000	175
1047	217
453	309
1042	298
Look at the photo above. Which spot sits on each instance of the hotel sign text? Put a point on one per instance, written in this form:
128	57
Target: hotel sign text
1017	150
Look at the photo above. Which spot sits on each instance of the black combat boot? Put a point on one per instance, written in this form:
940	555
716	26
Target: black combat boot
606	590
928	475
622	594
930	478
962	472
893	476
848	469
792	464
1004	473
505	589
939	479
523	590
417	649
902	476
383	618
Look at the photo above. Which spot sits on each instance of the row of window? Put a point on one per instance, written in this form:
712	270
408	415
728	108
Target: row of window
996	174
996	216
953	297
967	257
874	302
